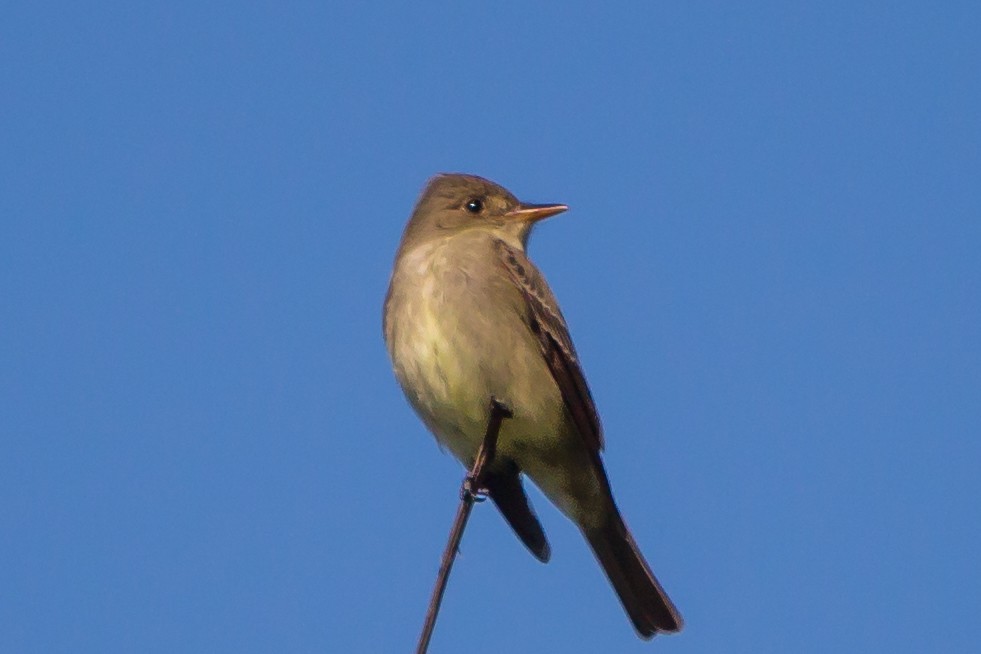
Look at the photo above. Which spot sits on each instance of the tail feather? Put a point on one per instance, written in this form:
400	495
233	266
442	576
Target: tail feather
640	593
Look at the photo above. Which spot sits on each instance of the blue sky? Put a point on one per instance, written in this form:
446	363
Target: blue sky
770	268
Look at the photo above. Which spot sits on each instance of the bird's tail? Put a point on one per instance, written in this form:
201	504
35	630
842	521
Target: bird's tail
640	593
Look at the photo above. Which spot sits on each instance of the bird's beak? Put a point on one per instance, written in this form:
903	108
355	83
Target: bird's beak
531	213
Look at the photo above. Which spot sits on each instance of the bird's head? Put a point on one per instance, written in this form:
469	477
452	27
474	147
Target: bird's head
453	203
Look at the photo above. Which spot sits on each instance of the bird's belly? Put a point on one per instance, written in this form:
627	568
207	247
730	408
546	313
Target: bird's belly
451	366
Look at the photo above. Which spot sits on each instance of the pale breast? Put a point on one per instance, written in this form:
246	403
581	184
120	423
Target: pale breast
457	335
435	359
460	339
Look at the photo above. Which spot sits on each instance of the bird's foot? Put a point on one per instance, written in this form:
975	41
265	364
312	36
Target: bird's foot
472	490
501	408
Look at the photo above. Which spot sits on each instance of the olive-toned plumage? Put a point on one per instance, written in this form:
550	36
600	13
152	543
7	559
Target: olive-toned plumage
469	317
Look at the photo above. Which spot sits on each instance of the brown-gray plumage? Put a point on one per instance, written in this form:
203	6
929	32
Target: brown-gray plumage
469	317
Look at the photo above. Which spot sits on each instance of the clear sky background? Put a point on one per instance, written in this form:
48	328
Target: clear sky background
770	269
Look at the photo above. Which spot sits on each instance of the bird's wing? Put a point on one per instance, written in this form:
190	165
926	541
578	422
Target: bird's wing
504	487
547	324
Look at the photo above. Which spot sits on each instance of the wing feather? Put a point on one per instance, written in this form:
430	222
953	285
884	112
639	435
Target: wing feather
546	322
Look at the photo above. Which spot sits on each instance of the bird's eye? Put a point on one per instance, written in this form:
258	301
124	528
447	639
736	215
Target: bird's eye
474	205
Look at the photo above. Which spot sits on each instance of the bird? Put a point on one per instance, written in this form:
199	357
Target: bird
469	318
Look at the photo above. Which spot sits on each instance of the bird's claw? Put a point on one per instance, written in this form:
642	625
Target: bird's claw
472	491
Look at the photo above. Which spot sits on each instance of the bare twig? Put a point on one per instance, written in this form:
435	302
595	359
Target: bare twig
469	494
